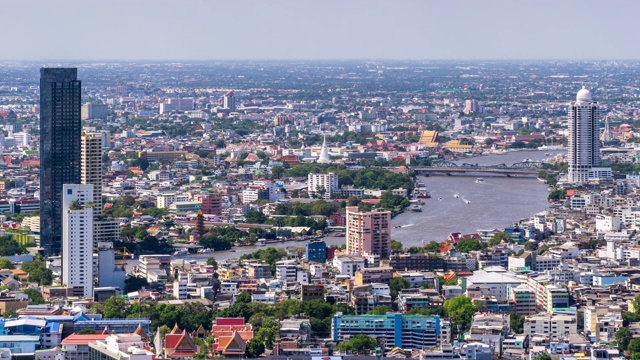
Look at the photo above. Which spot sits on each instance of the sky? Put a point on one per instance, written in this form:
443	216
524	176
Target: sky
318	29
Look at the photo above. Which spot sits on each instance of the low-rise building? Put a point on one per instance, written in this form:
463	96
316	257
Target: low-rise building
120	347
552	326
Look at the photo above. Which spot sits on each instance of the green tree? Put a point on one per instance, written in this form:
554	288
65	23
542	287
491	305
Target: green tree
255	217
255	348
243	297
498	237
38	272
396	246
277	171
87	331
433	247
359	344
461	311
269	331
212	261
398	284
557	194
115	307
380	310
10	247
467	245
517	322
6	264
634	346
34	295
543	356
623	338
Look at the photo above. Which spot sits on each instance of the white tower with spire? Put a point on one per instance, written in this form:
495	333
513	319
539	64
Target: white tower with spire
584	137
324	153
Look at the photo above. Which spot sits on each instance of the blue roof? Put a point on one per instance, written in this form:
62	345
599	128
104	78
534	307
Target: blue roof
52	327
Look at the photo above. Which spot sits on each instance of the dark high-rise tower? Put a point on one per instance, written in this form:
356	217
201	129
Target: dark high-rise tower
60	130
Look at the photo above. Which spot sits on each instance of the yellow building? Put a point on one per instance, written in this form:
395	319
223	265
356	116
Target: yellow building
429	138
226	274
455	146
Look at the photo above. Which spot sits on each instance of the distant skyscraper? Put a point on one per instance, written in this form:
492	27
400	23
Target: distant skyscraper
60	128
91	166
229	101
77	239
104	230
584	137
471	106
368	232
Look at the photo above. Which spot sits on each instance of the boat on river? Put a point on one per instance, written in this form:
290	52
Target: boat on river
415	208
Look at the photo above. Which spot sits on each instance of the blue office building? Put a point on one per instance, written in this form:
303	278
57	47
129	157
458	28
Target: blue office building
119	326
316	251
390	330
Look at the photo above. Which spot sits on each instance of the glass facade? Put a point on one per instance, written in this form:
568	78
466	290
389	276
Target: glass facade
60	130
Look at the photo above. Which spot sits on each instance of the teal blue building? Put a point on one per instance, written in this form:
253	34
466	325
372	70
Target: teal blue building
390	330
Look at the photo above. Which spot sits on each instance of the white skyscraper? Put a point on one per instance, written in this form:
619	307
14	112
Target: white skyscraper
77	238
327	183
584	137
229	101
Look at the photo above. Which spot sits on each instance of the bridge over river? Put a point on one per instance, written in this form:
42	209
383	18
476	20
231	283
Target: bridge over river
521	169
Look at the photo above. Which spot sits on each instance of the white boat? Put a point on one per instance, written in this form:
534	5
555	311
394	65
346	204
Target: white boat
439	198
415	208
467	201
456	196
479	180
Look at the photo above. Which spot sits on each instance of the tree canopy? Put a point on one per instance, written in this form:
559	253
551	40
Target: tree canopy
10	247
359	344
461	311
467	245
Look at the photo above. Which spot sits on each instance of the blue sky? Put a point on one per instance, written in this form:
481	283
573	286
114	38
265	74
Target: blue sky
320	29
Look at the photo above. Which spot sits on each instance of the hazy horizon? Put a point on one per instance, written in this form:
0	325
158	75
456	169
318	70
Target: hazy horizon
327	30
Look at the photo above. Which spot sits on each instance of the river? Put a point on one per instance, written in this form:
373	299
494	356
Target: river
495	203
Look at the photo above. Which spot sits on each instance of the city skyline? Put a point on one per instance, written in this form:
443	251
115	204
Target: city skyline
289	30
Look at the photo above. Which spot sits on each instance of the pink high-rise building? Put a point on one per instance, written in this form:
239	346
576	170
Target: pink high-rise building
368	232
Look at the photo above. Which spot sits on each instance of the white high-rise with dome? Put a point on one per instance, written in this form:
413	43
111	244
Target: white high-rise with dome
584	138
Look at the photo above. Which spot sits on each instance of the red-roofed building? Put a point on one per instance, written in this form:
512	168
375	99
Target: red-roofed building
291	159
76	346
231	336
29	163
455	237
180	346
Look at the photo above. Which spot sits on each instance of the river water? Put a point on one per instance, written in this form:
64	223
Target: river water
495	203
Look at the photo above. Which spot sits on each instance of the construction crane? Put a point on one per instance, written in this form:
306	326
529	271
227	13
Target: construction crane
124	252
